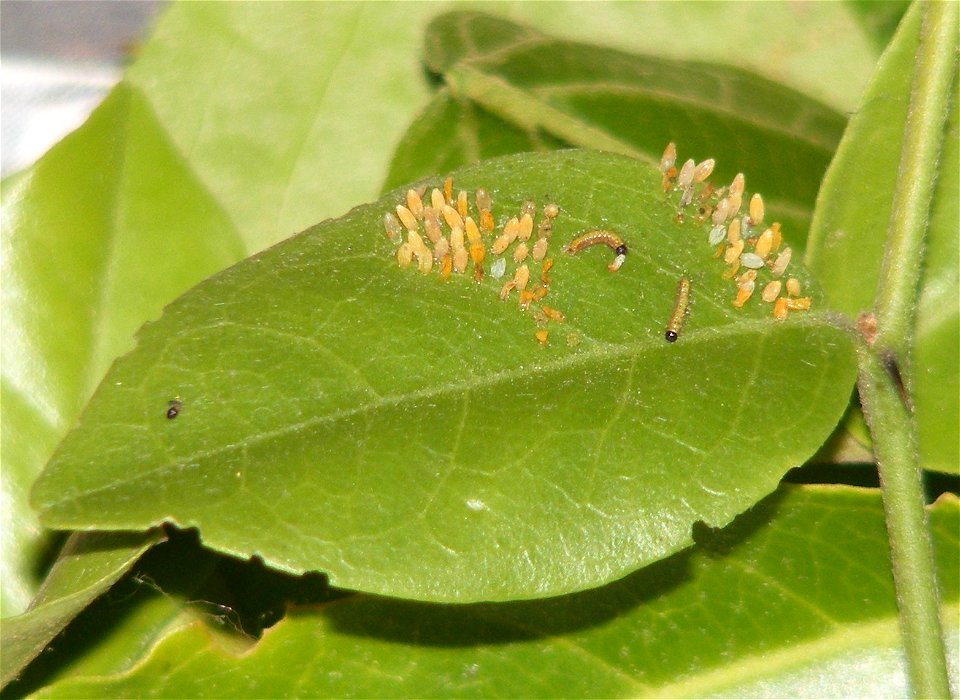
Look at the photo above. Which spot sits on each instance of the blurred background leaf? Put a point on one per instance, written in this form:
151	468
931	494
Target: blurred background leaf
547	93
879	18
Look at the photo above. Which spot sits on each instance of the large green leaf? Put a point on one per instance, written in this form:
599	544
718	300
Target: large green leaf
596	97
88	566
793	600
409	437
850	227
241	99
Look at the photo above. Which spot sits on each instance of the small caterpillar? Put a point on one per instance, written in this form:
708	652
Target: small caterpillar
680	305
600	237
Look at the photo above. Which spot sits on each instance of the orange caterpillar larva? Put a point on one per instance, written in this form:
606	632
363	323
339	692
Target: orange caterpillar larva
600	237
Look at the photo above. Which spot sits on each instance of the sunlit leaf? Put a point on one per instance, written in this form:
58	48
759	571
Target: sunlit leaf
793	600
409	436
106	229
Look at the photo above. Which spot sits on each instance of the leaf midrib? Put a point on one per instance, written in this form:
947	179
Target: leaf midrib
599	355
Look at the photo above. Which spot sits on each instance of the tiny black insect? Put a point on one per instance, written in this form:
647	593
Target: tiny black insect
173	408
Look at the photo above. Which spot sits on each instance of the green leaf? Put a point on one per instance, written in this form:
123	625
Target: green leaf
824	52
849	230
792	600
473	134
601	98
173	584
96	238
410	437
934	371
157	191
276	164
89	564
879	19
248	98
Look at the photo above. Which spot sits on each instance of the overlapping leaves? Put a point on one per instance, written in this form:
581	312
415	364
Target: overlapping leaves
755	404
512	88
793	600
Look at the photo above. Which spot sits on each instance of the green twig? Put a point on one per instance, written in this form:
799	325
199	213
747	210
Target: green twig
923	135
911	552
882	394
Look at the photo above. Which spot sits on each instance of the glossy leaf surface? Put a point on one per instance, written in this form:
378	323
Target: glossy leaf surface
89	564
590	96
254	109
793	600
850	228
409	436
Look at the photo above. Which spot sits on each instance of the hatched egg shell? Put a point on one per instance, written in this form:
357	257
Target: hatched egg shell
540	249
685	178
771	291
703	170
669	157
483	200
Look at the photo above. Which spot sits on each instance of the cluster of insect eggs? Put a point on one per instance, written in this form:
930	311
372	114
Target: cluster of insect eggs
745	244
446	232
